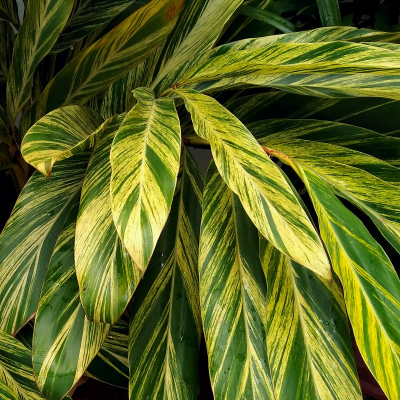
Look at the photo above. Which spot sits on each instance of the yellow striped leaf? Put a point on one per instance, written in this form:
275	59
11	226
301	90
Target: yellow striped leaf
308	339
165	326
64	340
232	296
370	184
106	273
111	365
9	11
264	192
108	59
16	374
43	22
370	283
145	164
59	135
29	237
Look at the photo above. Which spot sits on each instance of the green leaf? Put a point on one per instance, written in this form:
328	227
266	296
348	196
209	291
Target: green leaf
29	237
165	326
64	340
86	16
264	192
59	135
43	22
106	274
270	18
108	59
370	283
370	184
145	164
308	339
7	38
16	375
9	11
111	365
232	296
329	12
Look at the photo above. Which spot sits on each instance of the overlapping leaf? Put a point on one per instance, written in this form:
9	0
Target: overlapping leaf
233	296
165	327
265	194
59	135
308	340
108	59
64	340
29	237
7	38
371	286
106	273
111	365
145	163
9	11
16	375
43	22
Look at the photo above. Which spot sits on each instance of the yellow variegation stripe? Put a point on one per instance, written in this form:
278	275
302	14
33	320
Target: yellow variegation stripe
64	341
232	296
266	196
9	11
59	135
106	274
371	285
145	163
308	340
16	373
165	325
43	22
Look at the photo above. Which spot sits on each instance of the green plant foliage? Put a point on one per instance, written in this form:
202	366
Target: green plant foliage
116	262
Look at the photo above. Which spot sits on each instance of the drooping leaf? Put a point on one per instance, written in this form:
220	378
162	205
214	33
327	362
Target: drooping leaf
43	22
145	163
86	16
59	135
108	59
7	38
329	12
106	273
370	184
264	192
232	296
165	326
370	283
16	374
29	237
111	365
9	11
64	340
308	339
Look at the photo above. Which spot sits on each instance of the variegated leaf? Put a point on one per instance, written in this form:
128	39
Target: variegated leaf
64	340
371	285
9	11
308	339
165	326
16	374
145	163
264	192
108	59
43	22
111	365
7	38
232	296
59	135
106	273
29	237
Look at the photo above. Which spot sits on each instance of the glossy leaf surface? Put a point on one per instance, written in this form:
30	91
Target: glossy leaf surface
145	163
265	194
329	12
59	135
165	326
29	237
106	273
